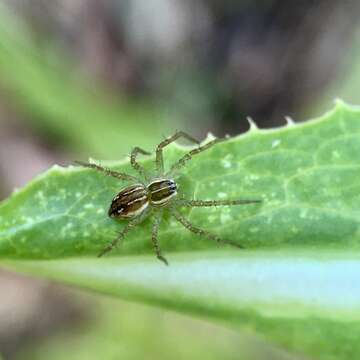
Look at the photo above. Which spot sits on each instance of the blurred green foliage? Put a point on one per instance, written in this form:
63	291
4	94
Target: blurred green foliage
346	86
57	101
123	331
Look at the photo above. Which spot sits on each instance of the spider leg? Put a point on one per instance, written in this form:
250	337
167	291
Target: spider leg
154	237
188	225
200	203
121	235
134	153
187	157
167	141
108	172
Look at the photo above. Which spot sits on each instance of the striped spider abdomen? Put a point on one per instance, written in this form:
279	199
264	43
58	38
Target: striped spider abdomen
129	202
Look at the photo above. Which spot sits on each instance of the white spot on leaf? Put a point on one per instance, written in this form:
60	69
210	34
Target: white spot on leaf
294	230
226	164
224	218
335	154
212	218
39	194
226	161
69	225
275	143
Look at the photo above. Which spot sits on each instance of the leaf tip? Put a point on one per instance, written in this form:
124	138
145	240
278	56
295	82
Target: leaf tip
57	167
339	102
342	105
252	124
289	121
210	136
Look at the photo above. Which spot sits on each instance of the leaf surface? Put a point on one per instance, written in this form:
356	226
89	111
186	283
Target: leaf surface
296	282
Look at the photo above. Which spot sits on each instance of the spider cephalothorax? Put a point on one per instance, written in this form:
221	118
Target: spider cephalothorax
147	195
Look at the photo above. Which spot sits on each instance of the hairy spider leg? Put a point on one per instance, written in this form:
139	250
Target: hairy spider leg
166	142
154	237
187	157
131	224
121	235
188	225
134	153
108	172
199	203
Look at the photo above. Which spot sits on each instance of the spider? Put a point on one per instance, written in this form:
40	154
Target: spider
135	202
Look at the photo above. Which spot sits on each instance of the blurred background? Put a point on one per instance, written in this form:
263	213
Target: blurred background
92	78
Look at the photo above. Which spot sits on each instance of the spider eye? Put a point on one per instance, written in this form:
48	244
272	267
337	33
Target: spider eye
161	191
172	185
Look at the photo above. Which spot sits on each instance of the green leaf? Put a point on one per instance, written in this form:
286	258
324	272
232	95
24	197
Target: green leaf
308	303
301	294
